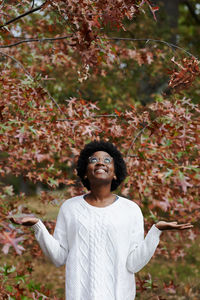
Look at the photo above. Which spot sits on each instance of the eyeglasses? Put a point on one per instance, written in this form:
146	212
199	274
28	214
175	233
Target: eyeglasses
94	160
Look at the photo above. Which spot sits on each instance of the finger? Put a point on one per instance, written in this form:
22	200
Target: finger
179	225
19	221
24	219
27	221
187	227
13	220
183	226
173	223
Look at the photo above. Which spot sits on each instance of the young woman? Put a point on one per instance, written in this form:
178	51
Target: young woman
100	235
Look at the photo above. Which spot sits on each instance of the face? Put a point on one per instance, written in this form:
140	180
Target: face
100	167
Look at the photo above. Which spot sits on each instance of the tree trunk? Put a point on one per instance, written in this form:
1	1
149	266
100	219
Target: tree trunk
171	10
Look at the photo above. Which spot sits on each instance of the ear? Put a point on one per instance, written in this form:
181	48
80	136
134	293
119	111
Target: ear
85	177
115	177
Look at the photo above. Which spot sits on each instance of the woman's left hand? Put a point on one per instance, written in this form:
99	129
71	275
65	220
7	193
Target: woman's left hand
162	225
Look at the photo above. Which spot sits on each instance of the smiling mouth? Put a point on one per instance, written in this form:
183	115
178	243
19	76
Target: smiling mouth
100	171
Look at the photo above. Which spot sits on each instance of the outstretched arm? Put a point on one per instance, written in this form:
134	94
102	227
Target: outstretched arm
55	246
142	249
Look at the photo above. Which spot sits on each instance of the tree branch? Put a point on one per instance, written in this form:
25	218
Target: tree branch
33	79
23	15
33	3
96	116
147	40
136	137
18	62
35	40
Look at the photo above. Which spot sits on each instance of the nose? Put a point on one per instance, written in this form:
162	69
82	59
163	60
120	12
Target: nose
100	162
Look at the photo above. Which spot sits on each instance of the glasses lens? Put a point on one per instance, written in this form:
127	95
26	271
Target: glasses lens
107	160
93	160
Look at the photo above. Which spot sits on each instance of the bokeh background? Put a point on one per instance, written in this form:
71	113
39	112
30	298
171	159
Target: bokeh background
59	62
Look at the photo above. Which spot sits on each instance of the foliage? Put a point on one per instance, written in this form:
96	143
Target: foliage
41	135
16	284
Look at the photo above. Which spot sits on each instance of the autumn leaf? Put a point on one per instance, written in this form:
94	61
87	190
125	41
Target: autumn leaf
184	73
183	182
117	112
1	109
170	287
9	239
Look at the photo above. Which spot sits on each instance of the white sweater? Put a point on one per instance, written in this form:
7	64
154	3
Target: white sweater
102	248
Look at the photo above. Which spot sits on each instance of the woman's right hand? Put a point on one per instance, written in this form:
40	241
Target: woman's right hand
25	221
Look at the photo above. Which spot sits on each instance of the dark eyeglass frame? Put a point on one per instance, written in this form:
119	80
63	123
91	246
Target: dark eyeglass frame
98	160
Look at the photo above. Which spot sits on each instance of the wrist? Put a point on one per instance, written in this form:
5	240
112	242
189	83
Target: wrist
157	225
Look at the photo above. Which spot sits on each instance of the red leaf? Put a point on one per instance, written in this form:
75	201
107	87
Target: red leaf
117	112
155	8
8	239
1	109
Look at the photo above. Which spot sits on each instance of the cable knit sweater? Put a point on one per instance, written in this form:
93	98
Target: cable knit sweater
102	248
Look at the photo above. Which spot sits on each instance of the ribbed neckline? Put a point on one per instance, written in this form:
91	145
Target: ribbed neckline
99	208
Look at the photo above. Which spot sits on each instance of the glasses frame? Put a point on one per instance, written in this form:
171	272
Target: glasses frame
98	160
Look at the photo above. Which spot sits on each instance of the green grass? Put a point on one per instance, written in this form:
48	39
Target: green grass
185	274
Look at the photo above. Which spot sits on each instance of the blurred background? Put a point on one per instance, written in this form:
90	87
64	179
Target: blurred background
133	70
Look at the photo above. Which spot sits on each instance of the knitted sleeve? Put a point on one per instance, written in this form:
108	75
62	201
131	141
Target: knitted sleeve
142	250
55	246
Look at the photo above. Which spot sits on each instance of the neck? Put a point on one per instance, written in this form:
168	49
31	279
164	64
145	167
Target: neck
100	192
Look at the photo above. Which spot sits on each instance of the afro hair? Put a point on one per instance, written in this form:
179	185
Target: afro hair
92	147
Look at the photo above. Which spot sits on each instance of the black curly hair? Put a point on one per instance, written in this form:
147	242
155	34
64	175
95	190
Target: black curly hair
92	147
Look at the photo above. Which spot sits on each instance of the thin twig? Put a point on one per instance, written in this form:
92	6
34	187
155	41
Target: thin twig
2	4
58	11
149	40
18	62
32	78
33	3
23	15
96	116
98	37
36	40
136	137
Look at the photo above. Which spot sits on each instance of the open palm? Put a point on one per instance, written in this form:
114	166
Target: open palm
162	225
26	221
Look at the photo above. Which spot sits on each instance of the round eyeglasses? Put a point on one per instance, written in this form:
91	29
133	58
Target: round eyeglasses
105	160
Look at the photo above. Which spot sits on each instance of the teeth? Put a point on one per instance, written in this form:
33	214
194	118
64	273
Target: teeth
100	171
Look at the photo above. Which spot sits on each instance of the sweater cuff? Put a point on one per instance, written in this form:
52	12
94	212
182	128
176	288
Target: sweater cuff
155	231
38	226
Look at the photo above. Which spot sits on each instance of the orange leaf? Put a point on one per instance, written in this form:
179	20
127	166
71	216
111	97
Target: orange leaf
117	112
